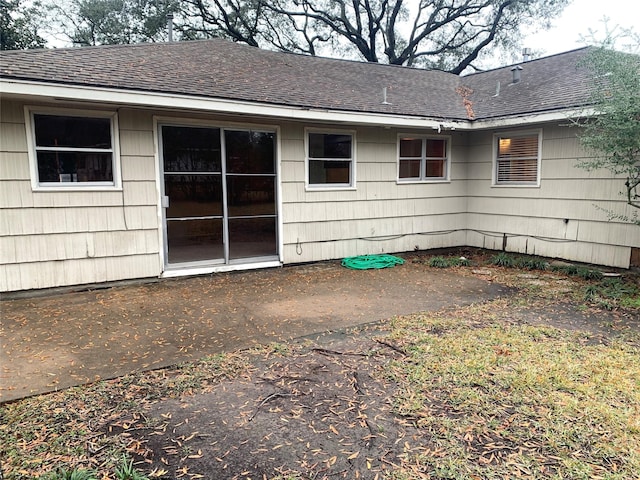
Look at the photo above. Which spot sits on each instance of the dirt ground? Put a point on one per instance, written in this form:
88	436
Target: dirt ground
319	409
318	412
313	403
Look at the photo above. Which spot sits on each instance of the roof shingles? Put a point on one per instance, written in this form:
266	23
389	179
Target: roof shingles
221	69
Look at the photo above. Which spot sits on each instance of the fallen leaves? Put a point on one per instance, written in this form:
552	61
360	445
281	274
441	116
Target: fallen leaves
324	408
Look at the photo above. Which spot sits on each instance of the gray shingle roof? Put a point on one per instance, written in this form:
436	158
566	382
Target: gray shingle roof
547	84
222	69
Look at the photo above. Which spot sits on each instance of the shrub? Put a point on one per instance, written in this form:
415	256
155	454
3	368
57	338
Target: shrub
126	471
503	260
532	263
566	269
588	273
461	262
439	262
613	292
75	474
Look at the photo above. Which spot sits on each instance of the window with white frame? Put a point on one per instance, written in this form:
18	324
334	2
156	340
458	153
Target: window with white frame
330	159
517	159
423	158
73	149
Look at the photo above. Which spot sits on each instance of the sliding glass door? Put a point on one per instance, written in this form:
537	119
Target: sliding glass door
219	195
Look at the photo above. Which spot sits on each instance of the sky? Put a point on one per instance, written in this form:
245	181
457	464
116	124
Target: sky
578	18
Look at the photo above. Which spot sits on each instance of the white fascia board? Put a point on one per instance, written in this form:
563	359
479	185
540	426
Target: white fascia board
254	109
186	102
531	119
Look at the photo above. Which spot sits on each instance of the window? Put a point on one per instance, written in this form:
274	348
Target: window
517	159
423	159
73	149
330	159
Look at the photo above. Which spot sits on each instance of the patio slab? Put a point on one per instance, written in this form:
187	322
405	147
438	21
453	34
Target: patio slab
66	339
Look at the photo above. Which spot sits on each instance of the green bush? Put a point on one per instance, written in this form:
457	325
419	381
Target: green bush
75	474
439	262
588	273
460	262
125	471
566	269
532	263
503	260
446	262
613	292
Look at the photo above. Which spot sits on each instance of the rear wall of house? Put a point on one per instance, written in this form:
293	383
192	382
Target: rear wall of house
379	215
565	217
49	239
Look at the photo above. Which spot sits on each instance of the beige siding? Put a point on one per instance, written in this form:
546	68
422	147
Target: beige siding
563	218
53	238
379	215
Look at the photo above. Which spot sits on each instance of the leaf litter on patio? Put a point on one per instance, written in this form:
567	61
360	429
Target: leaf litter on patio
479	392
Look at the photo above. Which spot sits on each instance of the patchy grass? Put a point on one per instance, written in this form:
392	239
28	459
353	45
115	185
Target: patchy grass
488	399
526	262
611	293
500	400
446	262
64	434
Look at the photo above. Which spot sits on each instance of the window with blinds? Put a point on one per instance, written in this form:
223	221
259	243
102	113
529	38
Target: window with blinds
517	159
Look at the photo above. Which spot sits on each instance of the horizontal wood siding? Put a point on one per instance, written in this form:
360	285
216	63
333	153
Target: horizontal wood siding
49	239
379	215
565	217
58	238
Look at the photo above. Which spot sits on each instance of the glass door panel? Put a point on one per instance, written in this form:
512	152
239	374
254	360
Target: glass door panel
250	152
252	237
193	190
193	195
220	195
194	240
191	149
250	195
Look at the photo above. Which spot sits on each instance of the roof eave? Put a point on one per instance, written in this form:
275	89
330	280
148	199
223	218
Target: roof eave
531	118
164	101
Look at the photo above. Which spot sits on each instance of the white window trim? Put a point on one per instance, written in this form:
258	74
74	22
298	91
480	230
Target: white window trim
116	185
445	179
352	170
494	161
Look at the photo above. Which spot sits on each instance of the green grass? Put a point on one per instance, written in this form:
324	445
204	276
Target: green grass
526	262
612	293
124	471
503	260
579	271
501	400
446	262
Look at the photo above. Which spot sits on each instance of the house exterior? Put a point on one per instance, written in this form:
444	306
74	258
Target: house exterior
157	160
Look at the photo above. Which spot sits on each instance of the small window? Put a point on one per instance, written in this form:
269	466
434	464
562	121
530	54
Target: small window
423	159
517	159
73	150
330	159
